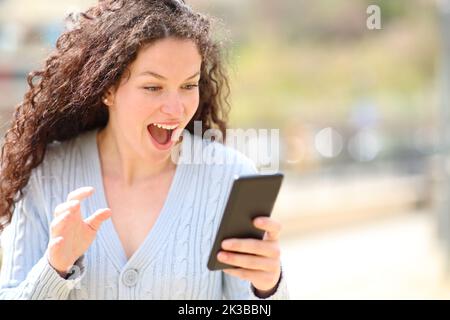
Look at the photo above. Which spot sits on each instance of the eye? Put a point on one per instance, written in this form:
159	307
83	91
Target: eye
152	88
191	86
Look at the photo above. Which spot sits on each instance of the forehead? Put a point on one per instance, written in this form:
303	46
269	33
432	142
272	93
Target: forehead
168	57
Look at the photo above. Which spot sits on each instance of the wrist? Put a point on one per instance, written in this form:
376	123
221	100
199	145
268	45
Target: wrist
267	293
63	272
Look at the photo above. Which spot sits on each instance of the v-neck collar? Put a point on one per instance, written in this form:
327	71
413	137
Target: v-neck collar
108	235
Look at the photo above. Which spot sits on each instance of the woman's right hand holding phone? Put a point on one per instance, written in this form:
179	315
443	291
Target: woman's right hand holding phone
70	234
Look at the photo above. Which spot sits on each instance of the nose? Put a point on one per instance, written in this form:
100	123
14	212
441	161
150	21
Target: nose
173	105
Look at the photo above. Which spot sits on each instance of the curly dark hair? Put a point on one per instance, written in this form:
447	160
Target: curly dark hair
65	97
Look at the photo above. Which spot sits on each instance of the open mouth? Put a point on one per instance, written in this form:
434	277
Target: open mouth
161	134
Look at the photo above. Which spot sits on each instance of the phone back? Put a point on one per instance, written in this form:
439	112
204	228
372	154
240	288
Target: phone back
251	196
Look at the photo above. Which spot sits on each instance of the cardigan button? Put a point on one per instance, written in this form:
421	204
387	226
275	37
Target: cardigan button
130	277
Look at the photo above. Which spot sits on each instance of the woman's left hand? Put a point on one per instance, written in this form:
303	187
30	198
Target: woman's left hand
258	261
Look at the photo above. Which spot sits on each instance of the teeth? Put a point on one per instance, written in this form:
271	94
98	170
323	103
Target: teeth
162	126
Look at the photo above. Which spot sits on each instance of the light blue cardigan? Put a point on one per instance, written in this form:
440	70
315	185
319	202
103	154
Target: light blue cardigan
171	262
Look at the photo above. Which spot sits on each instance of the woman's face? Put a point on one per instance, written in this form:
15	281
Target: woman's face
160	94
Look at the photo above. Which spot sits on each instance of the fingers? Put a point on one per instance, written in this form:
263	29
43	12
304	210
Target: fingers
253	246
262	281
97	218
248	261
244	274
80	193
272	227
62	222
72	205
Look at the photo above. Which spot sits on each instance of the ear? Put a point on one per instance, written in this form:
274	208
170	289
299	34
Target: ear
108	97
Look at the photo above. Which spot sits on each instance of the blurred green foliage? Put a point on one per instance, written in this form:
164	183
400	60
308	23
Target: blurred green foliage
313	60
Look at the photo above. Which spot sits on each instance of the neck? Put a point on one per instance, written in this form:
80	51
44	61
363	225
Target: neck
126	166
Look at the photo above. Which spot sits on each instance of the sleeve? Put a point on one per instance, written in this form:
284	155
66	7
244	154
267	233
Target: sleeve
26	272
238	289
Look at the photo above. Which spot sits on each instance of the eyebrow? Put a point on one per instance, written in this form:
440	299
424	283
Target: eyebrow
154	74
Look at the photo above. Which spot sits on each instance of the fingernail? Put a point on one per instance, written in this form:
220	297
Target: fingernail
222	256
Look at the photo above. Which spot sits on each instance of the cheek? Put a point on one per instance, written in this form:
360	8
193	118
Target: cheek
133	106
192	105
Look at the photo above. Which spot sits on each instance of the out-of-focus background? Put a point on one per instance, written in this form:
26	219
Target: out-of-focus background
363	116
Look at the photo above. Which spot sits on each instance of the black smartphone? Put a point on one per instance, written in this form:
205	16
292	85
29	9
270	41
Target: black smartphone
251	196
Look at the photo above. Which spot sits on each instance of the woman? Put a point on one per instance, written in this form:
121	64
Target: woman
94	203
